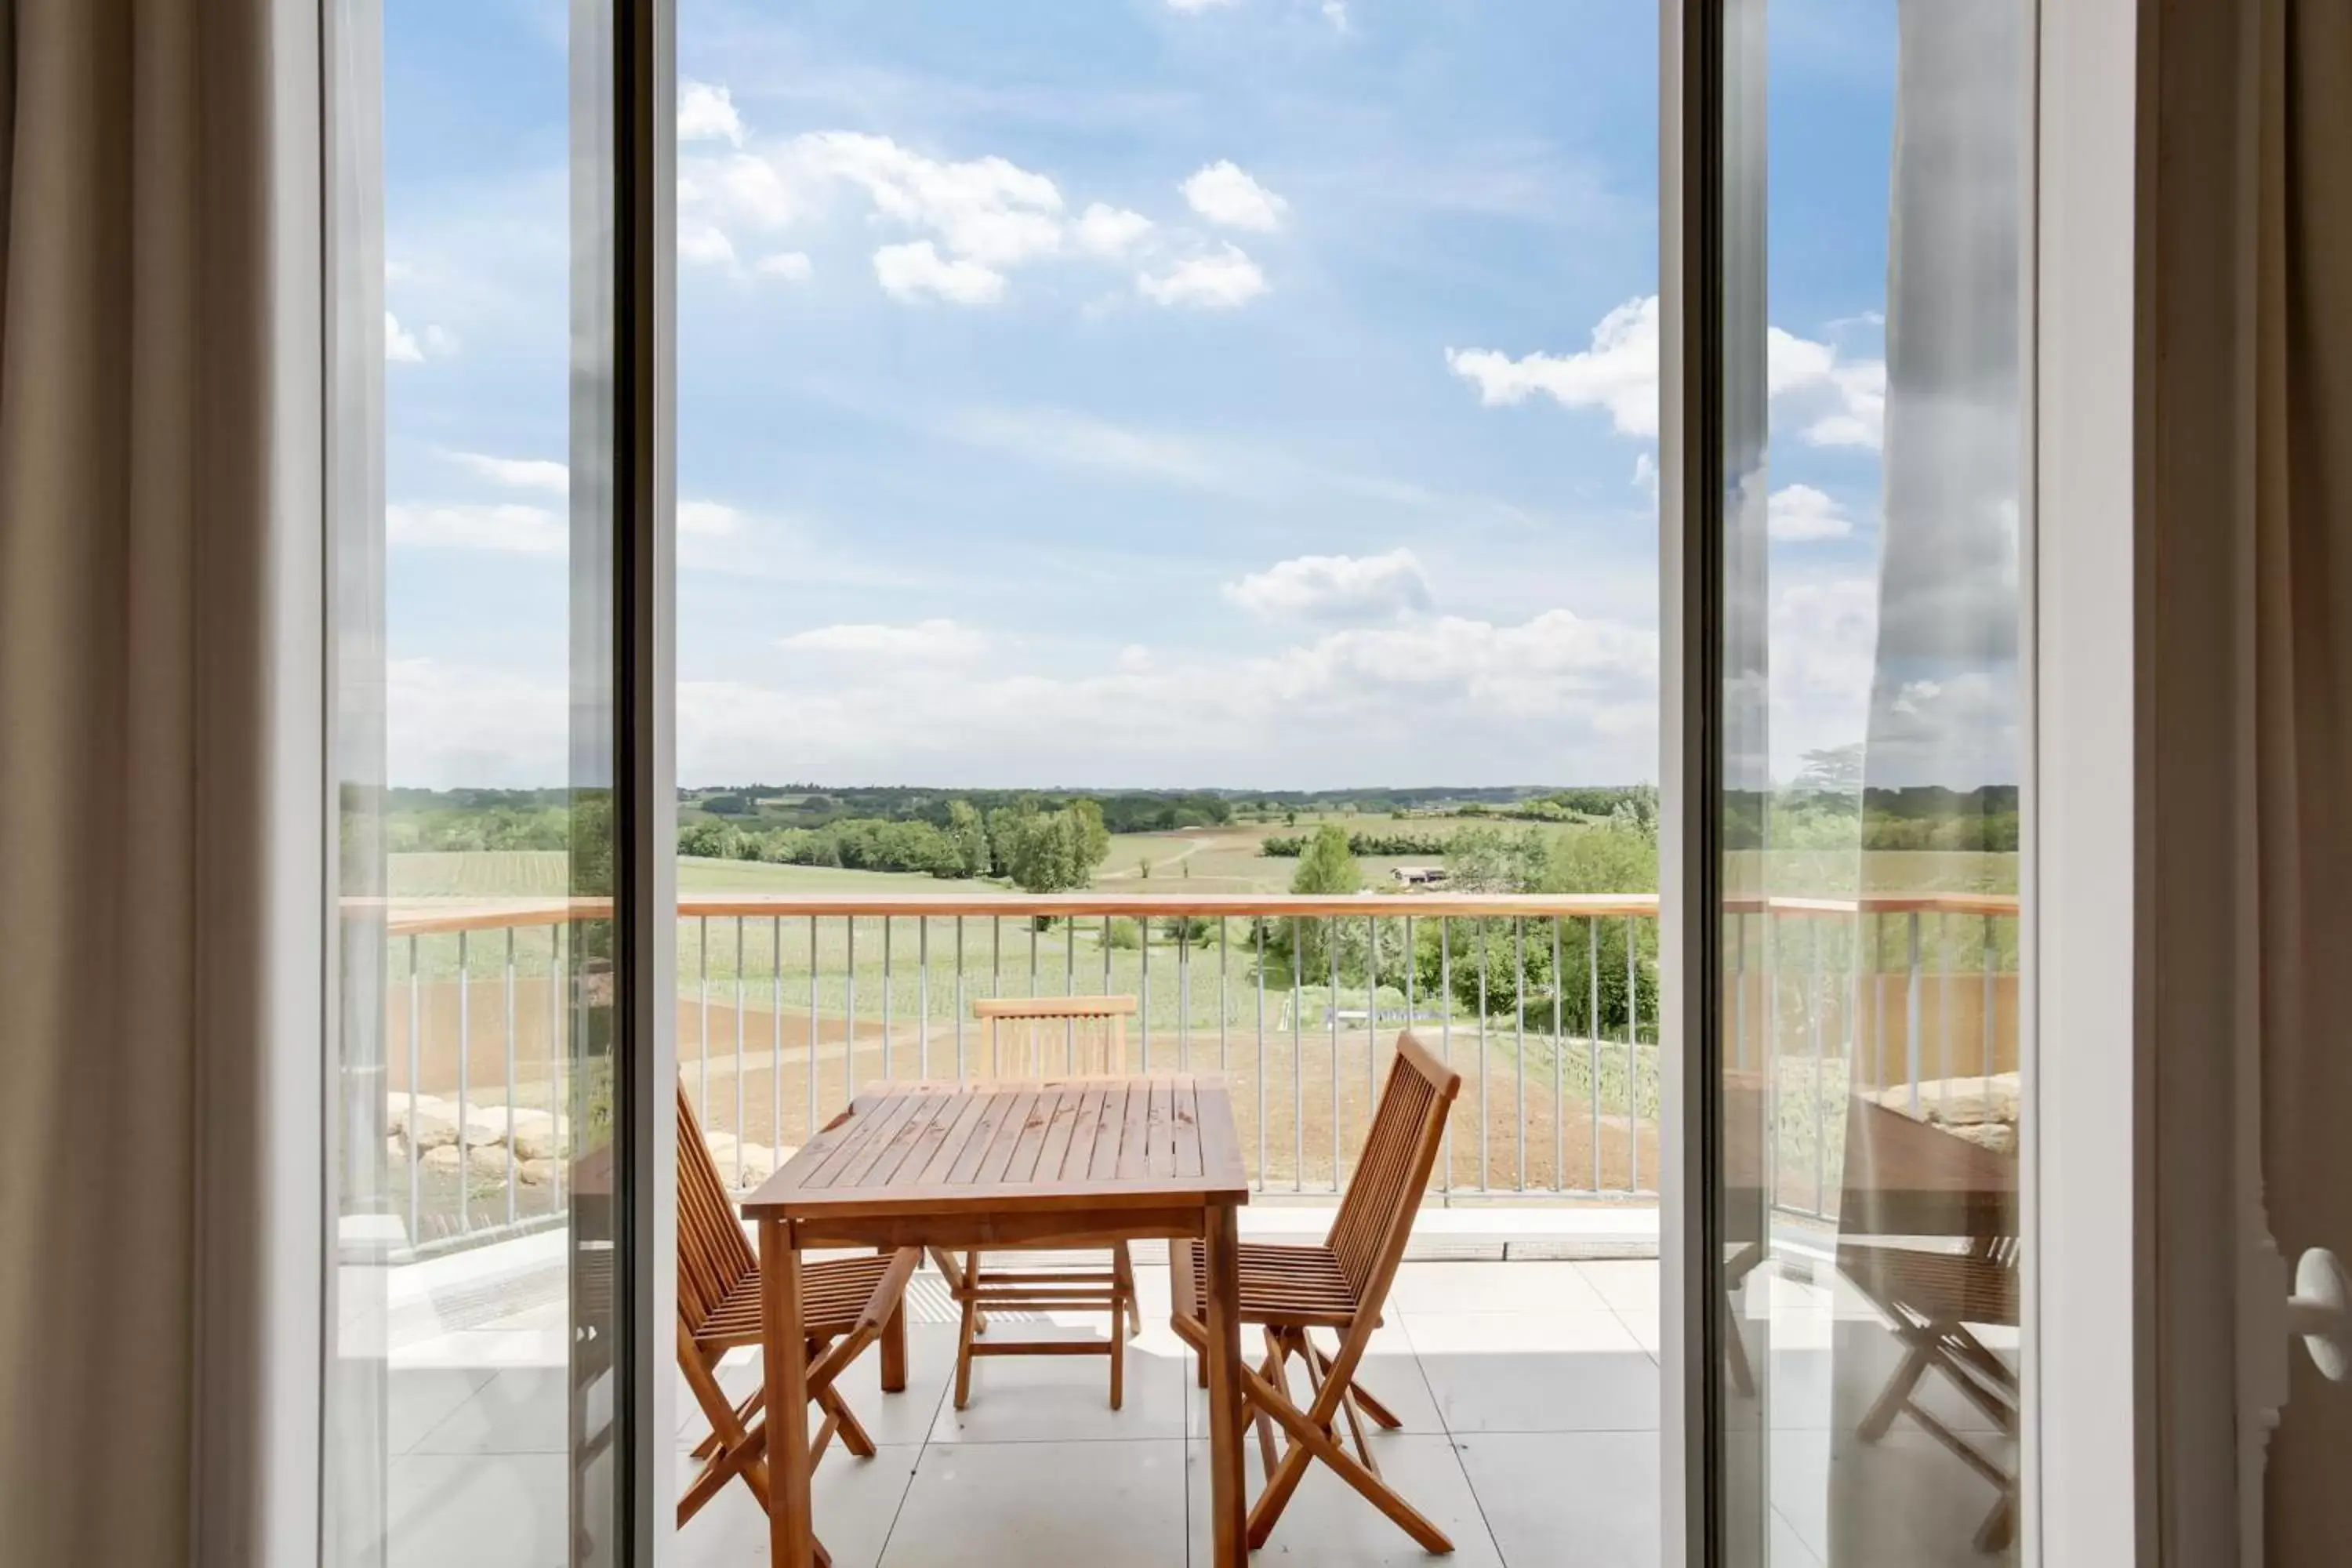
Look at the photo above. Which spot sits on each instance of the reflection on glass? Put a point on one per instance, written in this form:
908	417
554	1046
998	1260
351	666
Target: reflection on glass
1872	1093
471	1405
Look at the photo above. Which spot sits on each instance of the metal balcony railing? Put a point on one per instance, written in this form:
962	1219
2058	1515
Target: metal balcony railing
786	1004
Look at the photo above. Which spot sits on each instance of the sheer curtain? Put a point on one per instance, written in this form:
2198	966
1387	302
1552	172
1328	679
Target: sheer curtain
162	816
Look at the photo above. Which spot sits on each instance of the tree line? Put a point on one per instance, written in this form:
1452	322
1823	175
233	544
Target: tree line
1038	847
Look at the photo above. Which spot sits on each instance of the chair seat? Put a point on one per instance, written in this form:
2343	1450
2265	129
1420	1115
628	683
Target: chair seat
1938	1286
835	1292
1280	1285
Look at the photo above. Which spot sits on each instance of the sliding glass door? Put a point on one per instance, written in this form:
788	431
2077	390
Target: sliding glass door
490	595
1859	497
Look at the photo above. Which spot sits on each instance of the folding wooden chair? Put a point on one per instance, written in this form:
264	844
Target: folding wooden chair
1340	1286
1047	1036
847	1303
1931	1297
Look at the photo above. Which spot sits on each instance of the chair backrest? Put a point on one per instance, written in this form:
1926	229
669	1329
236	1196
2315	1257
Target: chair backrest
713	1254
1039	1036
1375	1219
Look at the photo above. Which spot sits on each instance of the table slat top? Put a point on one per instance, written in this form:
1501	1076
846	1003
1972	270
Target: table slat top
1036	1145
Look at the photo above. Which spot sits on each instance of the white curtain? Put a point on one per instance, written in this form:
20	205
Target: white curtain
161	828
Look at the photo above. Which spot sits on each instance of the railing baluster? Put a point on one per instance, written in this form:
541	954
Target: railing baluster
1033	955
1446	1025
464	1077
1221	995
809	1111
1183	993
1297	1058
1258	926
1632	1054
702	1050
1559	1070
1331	940
887	988
1878	1001
415	1060
849	1022
557	1105
923	993
1371	1011
776	1044
740	1129
1592	1035
1813	1023
1911	1016
1143	985
1070	988
511	1172
1738	993
1519	1037
1991	968
959	1009
1486	1131
1943	994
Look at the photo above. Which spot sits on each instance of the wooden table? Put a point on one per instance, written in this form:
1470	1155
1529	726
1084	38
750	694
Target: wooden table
1071	1161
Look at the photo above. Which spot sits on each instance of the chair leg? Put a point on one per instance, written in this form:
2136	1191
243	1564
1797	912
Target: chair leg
970	1326
1117	1360
972	1283
1126	1314
1897	1394
894	1350
852	1436
1309	1442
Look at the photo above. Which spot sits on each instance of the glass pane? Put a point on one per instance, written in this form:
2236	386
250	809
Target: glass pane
1182	457
471	1405
1877	219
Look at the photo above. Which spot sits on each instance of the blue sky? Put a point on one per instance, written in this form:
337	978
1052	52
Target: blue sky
1253	393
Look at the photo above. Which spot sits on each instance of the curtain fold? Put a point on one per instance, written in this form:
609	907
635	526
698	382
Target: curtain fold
144	702
2303	719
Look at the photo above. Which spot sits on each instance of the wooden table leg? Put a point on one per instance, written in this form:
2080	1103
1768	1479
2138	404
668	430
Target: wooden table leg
1228	1483
784	1346
894	1347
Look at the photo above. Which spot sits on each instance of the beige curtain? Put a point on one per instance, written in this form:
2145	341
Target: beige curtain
2303	661
150	954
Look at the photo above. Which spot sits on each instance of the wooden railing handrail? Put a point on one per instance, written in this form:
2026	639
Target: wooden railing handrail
402	919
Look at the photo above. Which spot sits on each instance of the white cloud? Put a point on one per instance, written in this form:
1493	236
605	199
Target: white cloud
1556	695
1335	588
1194	7
937	639
1108	231
707	518
1824	633
1829	399
1218	281
787	266
517	473
1619	374
1645	476
451	725
707	113
1335	12
1797	514
506	528
988	210
440	342
400	346
912	271
1224	193
706	244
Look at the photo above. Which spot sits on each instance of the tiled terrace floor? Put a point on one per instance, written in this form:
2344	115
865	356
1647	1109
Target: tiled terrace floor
1530	1393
